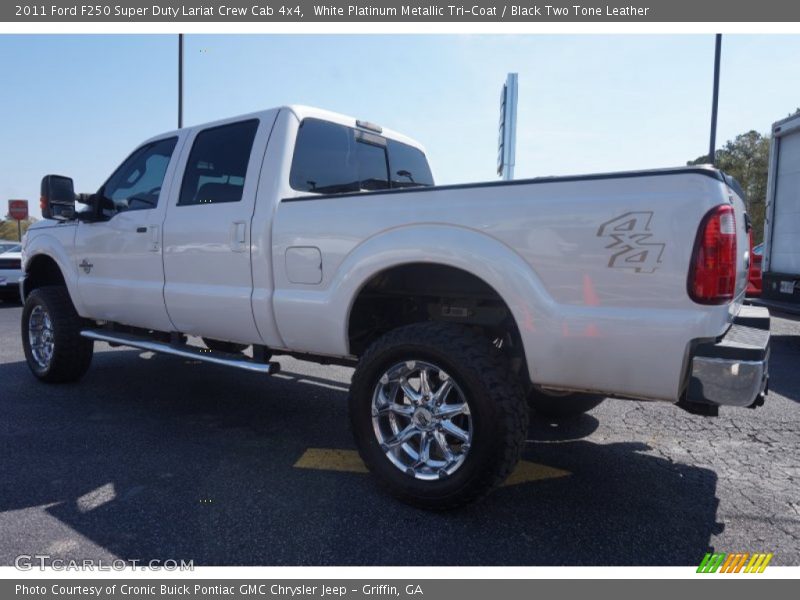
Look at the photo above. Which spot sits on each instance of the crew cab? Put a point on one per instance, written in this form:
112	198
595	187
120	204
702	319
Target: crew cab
303	232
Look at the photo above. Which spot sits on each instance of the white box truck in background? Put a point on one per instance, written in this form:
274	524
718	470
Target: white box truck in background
781	266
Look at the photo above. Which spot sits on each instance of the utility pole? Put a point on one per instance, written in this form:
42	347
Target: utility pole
712	144
180	80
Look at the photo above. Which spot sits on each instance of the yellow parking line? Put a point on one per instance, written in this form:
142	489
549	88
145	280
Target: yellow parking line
530	471
330	459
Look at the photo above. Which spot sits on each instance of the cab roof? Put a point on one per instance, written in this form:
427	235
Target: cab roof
301	112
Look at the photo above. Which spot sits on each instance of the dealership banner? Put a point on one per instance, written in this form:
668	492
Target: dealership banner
352	589
608	11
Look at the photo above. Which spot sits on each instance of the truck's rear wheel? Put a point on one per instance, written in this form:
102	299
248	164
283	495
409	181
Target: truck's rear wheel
54	348
437	416
561	406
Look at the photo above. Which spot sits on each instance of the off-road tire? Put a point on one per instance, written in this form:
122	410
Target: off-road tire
497	406
72	354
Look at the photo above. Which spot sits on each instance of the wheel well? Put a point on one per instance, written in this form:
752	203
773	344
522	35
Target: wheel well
41	271
419	292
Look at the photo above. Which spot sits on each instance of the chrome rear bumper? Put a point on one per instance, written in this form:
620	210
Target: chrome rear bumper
727	382
733	370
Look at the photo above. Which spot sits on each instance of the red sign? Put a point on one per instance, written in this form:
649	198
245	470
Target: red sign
18	209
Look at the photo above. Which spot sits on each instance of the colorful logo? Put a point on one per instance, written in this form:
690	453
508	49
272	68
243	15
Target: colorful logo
734	563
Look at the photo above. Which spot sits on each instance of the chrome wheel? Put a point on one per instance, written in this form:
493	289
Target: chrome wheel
41	336
421	420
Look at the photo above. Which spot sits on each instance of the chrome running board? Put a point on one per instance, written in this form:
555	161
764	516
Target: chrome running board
192	352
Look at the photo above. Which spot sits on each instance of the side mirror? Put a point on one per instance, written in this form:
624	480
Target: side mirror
95	203
58	198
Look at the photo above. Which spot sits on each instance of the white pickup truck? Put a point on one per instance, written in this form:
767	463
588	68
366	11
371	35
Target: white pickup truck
302	232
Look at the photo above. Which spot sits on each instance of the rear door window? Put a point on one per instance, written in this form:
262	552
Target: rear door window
217	164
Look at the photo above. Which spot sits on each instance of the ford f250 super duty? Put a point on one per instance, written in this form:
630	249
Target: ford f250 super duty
302	232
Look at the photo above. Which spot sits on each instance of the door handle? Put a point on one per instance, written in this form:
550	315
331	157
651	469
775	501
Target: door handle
155	239
141	230
238	236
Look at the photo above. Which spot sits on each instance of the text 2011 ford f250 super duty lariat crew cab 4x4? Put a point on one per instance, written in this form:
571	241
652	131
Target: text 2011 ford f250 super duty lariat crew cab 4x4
298	231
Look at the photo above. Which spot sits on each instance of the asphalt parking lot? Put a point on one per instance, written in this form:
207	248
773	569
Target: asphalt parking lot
155	457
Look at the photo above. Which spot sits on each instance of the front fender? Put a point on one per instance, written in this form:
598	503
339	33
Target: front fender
317	321
45	244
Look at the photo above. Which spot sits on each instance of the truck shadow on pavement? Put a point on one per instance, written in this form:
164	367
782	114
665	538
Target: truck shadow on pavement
160	459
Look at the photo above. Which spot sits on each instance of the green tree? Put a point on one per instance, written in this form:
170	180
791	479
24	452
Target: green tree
747	159
8	228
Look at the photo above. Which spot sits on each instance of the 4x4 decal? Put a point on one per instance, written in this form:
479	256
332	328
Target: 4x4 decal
631	241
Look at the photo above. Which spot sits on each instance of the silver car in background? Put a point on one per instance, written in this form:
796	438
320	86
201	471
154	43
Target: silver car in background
10	270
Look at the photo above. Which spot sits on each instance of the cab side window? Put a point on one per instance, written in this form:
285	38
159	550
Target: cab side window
136	184
217	164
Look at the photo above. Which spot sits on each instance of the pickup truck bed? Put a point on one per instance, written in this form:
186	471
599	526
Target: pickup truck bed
576	287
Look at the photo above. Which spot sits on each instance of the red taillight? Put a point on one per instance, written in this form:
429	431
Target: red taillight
712	275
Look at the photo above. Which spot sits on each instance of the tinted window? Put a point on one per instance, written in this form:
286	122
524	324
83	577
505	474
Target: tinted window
136	184
408	166
218	164
331	158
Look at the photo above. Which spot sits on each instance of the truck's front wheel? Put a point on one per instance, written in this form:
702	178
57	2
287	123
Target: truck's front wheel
54	348
437	416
